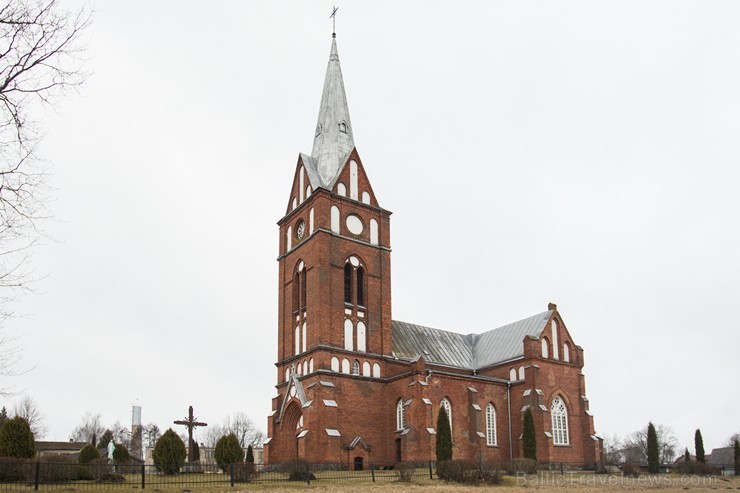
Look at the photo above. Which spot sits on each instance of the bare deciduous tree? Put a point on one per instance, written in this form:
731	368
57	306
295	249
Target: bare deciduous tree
39	60
240	425
635	446
151	434
91	426
27	409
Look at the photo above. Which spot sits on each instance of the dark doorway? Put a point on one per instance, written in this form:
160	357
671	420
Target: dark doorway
398	450
358	463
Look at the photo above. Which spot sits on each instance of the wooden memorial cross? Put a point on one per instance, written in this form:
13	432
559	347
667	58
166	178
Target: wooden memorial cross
191	423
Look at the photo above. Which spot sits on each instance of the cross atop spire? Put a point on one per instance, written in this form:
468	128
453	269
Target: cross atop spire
334	22
333	140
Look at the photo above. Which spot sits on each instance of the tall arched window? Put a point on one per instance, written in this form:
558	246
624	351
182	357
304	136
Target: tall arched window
448	408
566	352
512	375
400	418
490	424
348	283
559	414
296	292
356	368
521	373
303	289
361	286
545	348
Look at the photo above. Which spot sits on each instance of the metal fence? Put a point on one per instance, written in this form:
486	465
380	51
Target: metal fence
26	475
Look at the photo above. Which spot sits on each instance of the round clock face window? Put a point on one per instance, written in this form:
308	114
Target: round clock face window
300	230
354	224
292	391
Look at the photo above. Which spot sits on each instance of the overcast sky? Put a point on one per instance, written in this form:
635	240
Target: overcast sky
582	153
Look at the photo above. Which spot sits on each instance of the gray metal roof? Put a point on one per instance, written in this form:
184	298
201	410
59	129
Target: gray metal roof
471	351
722	456
333	138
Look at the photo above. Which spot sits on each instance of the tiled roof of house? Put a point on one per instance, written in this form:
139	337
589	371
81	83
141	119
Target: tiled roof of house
471	351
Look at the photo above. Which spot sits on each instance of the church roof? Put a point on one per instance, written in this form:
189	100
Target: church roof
471	351
333	138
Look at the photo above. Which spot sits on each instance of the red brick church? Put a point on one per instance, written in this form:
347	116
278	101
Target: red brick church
354	385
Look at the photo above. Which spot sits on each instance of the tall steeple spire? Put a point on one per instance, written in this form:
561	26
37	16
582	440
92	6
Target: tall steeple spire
333	140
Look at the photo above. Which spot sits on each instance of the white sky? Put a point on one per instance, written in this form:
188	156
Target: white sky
584	153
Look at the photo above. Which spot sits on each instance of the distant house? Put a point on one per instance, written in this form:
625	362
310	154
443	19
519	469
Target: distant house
59	448
723	458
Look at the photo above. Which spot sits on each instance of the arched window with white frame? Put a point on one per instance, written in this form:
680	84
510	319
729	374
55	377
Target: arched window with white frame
448	409
559	414
356	368
566	352
400	417
512	375
545	348
490	425
521	373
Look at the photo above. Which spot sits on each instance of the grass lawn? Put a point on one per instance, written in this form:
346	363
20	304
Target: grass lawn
578	482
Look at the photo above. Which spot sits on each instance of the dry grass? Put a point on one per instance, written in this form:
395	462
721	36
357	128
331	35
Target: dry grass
577	482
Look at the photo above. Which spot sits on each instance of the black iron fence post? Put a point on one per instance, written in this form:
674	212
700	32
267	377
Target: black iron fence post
430	470
36	478
143	474
231	472
561	469
372	471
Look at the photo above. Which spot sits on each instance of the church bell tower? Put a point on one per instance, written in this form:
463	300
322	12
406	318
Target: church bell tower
334	262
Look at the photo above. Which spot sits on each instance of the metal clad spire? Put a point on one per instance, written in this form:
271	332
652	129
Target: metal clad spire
333	140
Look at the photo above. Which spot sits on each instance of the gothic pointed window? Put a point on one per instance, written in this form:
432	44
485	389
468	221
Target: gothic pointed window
566	352
559	414
545	348
296	292
448	409
348	283
303	289
400	417
490	425
343	127
356	368
361	286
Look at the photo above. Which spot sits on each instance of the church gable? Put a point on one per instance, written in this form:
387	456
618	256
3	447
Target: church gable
352	181
305	181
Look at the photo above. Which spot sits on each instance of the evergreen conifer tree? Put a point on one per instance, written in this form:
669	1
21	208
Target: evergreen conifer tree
699	446
16	439
88	454
653	457
120	454
444	436
3	416
105	439
529	438
169	453
250	455
687	455
737	457
228	451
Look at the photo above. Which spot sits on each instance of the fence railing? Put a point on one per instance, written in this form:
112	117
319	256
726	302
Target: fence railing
21	474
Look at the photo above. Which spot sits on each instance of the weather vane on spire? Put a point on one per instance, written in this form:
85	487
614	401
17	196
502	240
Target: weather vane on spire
333	17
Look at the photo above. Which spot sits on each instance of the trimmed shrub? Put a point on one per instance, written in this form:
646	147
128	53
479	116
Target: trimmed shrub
228	451
298	470
57	469
169	453
469	472
405	471
630	470
16	439
444	436
696	468
517	466
88	454
14	469
529	437
244	472
653	457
